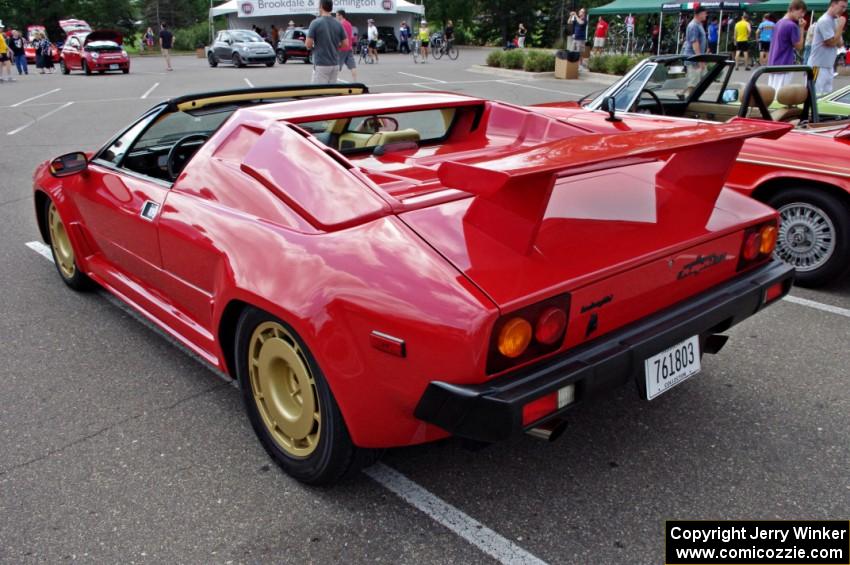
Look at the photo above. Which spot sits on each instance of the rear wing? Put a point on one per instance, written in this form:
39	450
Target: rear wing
513	191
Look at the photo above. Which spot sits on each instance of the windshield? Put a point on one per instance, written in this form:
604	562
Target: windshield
245	37
670	80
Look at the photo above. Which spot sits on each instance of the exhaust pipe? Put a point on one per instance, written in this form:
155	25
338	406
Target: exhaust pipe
550	430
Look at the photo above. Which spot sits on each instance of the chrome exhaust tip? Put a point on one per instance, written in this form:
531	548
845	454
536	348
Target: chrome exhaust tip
550	430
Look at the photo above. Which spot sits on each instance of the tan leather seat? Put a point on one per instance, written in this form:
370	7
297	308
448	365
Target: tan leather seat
387	137
791	96
768	94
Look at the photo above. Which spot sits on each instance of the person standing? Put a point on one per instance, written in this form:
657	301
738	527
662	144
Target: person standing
743	29
18	48
149	38
600	35
713	35
424	37
521	33
372	37
275	36
325	36
825	44
765	34
45	48
788	36
404	38
696	43
579	21
166	39
346	55
5	57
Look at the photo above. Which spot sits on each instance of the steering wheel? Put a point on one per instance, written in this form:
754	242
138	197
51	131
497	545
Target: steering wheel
171	164
658	105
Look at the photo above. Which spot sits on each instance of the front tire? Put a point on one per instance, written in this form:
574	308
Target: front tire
814	234
290	405
281	56
237	61
86	68
63	67
62	250
212	60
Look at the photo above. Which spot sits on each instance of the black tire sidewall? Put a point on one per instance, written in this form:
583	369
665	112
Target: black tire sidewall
839	215
331	458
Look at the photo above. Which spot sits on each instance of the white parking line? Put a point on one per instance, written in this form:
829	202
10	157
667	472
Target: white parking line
819	306
35	97
493	544
50	113
543	89
41	249
148	91
248	82
423	85
426	78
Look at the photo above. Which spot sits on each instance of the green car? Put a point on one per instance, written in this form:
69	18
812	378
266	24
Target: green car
836	102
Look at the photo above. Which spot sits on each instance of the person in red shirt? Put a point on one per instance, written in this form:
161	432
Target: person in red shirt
600	35
346	54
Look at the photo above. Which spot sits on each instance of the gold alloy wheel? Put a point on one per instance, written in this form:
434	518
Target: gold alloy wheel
284	389
62	249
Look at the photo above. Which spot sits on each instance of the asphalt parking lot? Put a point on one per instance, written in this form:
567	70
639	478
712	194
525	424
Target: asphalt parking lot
116	446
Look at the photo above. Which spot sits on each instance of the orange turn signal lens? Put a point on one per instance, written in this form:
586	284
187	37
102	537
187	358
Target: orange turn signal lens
768	240
550	326
514	337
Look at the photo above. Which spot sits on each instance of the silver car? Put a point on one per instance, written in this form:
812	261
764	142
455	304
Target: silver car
240	47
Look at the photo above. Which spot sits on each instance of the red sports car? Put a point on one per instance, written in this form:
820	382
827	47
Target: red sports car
97	51
380	270
804	175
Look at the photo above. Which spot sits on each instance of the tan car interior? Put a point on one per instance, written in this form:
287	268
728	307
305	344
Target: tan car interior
718	112
792	97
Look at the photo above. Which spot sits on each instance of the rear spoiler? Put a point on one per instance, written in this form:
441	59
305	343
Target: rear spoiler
513	191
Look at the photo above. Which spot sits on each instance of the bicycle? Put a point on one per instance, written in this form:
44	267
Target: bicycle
363	50
415	45
446	47
436	45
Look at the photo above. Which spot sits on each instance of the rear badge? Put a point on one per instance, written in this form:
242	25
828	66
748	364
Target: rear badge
701	263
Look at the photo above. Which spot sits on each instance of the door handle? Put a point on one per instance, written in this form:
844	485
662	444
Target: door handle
149	210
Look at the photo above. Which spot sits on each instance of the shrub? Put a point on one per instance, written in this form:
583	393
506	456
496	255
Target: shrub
539	62
513	59
192	37
494	58
616	64
597	64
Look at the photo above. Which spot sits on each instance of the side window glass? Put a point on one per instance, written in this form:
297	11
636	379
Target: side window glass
116	150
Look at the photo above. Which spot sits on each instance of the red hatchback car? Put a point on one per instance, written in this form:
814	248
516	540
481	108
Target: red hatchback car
97	51
380	270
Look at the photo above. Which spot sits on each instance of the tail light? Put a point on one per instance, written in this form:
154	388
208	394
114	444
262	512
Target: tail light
528	333
759	243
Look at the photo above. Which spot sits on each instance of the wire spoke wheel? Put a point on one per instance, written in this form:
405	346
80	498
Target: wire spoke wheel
284	389
61	244
807	236
452	52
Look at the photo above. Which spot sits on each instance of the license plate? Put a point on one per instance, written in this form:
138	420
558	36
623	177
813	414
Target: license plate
113	66
672	366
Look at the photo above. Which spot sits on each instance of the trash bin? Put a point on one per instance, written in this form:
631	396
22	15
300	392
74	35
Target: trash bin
566	64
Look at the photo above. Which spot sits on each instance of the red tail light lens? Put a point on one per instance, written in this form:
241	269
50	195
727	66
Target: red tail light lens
536	409
528	333
759	243
551	325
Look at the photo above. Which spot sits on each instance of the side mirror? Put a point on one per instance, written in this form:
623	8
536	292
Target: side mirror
729	95
69	164
610	106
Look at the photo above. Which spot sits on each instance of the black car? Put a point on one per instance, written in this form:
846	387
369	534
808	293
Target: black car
387	40
292	46
240	47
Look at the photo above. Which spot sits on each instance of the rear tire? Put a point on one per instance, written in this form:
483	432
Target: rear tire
64	257
290	405
211	59
814	234
307	60
63	67
281	56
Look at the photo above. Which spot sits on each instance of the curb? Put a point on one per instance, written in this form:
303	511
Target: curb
511	73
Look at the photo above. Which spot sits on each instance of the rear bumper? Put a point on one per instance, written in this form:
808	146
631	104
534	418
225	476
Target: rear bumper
492	411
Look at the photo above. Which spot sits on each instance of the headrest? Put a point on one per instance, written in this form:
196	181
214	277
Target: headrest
767	94
792	94
386	137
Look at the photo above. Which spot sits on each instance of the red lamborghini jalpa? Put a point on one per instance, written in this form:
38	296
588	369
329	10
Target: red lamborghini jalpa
380	270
